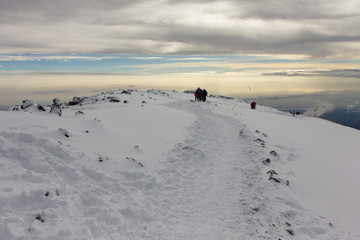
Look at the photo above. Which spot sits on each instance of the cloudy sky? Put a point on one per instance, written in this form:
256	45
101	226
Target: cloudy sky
317	28
245	43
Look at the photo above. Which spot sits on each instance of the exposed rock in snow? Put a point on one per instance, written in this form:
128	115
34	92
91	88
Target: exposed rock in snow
75	101
64	132
114	99
26	104
79	114
57	102
126	92
56	107
41	107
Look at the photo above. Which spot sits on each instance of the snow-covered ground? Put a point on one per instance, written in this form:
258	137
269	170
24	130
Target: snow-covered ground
157	165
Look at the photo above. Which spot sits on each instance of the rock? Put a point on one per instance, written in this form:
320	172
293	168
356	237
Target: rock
291	232
79	114
26	104
75	101
15	108
65	132
57	102
259	140
41	107
274	153
126	92
114	99
272	172
274	179
266	161
55	109
101	158
187	148
134	160
39	217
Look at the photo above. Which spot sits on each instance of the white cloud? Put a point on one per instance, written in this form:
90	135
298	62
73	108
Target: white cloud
195	59
64	58
321	108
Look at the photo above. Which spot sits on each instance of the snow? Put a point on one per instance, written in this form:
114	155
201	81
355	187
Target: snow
156	165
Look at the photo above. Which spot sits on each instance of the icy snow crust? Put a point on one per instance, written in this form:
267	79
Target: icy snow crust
156	165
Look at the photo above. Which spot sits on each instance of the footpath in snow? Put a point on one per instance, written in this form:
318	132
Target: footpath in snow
156	165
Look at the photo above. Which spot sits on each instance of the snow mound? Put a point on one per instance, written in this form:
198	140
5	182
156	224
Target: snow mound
164	167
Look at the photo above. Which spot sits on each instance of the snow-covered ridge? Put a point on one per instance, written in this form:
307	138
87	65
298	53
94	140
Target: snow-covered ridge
158	165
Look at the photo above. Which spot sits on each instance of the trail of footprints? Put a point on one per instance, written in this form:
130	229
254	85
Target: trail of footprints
273	175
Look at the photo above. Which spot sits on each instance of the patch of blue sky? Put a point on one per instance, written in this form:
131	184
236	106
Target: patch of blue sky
122	64
342	61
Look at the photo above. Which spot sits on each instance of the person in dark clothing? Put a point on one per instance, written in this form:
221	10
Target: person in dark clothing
253	105
198	94
203	95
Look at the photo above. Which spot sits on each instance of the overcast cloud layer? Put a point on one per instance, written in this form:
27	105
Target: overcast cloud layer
319	28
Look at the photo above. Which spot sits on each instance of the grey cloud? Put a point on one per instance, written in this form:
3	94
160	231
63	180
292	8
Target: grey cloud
44	92
344	73
321	28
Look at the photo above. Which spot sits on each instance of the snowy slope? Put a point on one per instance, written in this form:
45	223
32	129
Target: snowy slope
160	166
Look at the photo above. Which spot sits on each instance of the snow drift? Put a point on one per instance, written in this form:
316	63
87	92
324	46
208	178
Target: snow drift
157	165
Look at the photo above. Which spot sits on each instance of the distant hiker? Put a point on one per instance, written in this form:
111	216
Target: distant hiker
295	113
198	94
203	95
253	105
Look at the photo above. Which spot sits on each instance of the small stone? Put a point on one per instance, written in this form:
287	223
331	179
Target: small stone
41	107
114	99
272	172
266	161
291	232
39	217
274	153
275	179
